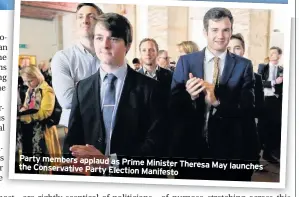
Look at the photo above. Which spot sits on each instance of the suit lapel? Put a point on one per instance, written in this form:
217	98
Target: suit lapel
96	102
279	71
266	71
199	64
123	101
230	63
159	74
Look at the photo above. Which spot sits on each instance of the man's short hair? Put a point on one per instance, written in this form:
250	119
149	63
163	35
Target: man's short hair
216	14
99	11
277	48
149	40
118	25
239	36
136	61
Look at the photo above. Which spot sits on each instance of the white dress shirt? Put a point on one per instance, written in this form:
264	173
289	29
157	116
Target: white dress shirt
69	66
208	74
272	77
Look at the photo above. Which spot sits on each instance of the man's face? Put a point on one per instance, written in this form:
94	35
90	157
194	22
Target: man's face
110	50
218	34
163	60
148	53
86	20
235	46
136	66
274	55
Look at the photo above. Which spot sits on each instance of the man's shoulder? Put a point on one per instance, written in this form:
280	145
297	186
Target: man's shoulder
262	65
241	59
193	55
84	83
166	71
142	80
67	52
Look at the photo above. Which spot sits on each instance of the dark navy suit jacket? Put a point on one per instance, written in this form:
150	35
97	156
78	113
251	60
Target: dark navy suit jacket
231	129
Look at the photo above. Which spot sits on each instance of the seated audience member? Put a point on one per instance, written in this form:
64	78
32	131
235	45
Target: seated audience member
136	64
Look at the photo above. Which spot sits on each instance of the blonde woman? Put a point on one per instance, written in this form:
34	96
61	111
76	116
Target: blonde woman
187	47
37	137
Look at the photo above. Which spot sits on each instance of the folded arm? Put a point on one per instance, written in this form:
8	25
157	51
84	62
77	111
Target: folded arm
63	82
75	135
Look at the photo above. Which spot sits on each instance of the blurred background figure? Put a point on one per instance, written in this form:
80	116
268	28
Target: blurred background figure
172	65
163	59
136	64
266	60
187	47
45	70
25	62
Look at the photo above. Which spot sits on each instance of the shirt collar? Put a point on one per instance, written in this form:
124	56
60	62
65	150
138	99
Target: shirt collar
82	49
209	55
271	65
154	72
120	72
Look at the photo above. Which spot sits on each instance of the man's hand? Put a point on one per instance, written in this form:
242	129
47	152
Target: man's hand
279	80
89	152
210	93
23	109
194	86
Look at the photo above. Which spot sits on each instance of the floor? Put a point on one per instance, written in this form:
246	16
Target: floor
269	174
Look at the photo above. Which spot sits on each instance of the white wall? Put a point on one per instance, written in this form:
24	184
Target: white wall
196	33
40	37
68	30
278	23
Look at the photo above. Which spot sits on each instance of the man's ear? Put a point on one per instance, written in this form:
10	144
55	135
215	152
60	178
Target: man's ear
205	32
128	48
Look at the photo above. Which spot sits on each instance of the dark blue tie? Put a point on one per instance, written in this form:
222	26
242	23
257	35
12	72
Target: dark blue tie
108	108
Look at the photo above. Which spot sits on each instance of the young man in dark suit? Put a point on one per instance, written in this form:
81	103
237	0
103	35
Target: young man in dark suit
117	111
272	76
213	98
149	49
237	46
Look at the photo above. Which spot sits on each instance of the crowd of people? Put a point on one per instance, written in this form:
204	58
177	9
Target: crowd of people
210	104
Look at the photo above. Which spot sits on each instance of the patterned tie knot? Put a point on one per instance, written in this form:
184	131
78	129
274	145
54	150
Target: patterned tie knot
216	60
111	78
